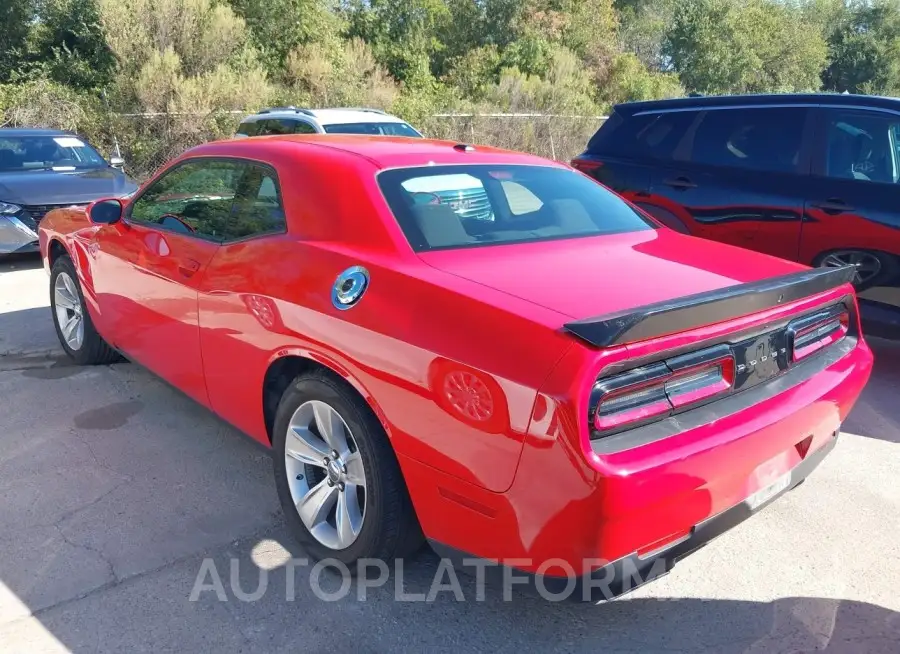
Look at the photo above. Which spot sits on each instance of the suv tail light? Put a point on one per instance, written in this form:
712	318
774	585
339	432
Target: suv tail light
653	392
587	166
809	335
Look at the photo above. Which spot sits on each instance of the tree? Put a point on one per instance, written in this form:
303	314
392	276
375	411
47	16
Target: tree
644	25
865	49
15	18
279	26
749	46
71	39
404	35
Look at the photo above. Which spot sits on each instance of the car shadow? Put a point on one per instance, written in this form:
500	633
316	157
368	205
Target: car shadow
263	594
428	604
27	337
876	413
11	262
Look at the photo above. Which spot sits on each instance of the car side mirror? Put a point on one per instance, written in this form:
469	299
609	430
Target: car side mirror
105	212
117	162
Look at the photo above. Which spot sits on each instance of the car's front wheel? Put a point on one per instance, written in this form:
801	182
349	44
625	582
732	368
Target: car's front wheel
74	327
337	477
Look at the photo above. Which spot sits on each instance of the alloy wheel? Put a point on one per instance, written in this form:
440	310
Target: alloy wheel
68	308
325	474
867	265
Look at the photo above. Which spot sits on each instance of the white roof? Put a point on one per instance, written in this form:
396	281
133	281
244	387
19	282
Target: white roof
343	116
335	116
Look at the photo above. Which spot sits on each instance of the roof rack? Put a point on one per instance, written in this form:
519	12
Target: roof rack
298	110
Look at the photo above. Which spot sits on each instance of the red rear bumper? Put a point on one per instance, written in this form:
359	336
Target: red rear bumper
571	511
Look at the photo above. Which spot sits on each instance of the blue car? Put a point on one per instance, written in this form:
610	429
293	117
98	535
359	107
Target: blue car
43	169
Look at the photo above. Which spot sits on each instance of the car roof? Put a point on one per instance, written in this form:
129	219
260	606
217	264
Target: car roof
343	116
382	151
335	116
19	131
704	101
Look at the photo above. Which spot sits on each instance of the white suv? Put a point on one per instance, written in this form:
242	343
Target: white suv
291	120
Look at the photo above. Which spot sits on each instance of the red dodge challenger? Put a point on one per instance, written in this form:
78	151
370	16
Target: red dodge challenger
482	348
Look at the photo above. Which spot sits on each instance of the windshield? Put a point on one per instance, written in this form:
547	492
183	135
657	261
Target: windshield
56	152
464	206
383	129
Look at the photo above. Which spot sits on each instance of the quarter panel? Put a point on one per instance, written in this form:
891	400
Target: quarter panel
409	345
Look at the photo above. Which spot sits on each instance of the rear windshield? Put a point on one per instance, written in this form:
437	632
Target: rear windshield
464	206
56	152
383	129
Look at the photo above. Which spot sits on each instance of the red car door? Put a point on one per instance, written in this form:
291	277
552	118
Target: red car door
738	176
852	214
149	266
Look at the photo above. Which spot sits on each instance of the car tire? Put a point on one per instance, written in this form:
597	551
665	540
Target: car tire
89	348
887	265
387	525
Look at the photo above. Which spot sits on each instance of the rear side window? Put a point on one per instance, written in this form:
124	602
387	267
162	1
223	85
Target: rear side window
653	135
862	145
441	207
303	127
378	129
284	126
248	128
755	139
214	199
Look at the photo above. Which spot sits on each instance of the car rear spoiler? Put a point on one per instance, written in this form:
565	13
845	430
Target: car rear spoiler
706	308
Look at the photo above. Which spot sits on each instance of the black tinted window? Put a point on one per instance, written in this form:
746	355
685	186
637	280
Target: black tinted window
378	129
219	200
758	139
302	127
249	128
863	146
282	126
460	206
646	135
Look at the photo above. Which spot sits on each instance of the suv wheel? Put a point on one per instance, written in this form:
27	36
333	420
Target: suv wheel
871	267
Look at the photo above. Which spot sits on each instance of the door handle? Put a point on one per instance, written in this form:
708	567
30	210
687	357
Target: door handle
680	183
832	205
188	267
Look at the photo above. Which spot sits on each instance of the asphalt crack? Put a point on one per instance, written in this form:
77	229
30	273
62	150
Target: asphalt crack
117	581
20	361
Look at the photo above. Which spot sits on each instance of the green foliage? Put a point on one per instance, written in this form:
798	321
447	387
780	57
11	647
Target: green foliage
15	25
72	40
745	46
865	49
279	27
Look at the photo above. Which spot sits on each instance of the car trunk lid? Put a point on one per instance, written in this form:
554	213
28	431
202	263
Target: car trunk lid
650	277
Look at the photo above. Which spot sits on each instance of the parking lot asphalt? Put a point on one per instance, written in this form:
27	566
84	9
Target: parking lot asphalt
117	492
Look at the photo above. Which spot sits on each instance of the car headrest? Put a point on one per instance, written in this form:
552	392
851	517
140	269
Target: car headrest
571	216
440	225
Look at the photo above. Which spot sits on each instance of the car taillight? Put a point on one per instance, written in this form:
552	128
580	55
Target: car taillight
653	392
701	382
587	166
818	331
